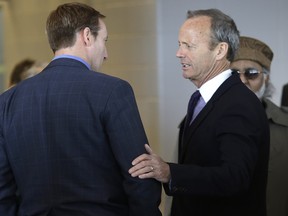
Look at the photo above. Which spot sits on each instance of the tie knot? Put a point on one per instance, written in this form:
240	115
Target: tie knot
194	97
192	103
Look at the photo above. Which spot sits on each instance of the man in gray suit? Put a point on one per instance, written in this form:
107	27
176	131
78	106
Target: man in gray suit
69	134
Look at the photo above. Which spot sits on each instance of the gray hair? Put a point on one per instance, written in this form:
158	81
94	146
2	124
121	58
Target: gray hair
223	29
269	90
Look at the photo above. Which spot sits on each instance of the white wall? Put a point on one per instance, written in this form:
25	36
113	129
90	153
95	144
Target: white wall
262	19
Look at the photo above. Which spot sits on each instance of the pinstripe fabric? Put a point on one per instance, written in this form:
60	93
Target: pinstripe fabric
68	136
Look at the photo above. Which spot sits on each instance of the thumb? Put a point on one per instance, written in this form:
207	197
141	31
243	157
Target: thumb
148	149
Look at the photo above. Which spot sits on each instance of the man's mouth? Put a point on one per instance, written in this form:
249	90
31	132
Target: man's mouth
184	65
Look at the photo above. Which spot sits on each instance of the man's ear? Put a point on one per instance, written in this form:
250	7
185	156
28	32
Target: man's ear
87	36
222	50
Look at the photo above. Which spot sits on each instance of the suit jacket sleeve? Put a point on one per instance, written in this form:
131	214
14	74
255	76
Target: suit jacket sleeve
127	138
226	152
8	199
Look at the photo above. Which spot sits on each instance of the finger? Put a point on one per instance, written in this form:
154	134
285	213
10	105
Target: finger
146	175
139	159
134	169
141	171
138	166
148	149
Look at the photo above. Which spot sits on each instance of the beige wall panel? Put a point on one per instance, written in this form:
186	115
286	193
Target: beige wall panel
132	54
141	78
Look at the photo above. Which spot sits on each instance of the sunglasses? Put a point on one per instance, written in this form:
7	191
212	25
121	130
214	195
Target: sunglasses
249	73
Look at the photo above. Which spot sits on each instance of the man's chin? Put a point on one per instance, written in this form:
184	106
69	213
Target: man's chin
185	75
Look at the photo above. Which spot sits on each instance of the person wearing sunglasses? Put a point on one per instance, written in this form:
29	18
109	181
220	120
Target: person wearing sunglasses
284	97
253	62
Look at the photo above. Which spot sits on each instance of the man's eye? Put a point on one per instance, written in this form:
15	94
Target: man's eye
185	45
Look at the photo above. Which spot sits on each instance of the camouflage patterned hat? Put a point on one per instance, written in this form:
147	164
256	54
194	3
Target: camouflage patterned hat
254	50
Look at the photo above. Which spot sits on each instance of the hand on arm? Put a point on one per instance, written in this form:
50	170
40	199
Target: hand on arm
150	166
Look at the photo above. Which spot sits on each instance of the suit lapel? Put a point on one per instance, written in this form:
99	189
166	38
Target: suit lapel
187	134
185	137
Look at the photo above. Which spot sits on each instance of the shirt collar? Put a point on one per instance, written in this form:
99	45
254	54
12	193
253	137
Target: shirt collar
73	57
209	88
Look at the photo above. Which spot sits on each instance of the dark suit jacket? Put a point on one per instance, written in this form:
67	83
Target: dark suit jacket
284	97
223	157
67	139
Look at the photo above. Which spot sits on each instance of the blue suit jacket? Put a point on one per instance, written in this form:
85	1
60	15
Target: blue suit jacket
67	139
223	157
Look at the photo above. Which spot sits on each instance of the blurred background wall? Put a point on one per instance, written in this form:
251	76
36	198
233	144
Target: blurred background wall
143	40
131	47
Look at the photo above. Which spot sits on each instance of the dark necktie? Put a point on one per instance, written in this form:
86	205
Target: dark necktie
191	106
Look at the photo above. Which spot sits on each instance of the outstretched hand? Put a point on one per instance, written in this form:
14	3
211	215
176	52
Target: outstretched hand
150	166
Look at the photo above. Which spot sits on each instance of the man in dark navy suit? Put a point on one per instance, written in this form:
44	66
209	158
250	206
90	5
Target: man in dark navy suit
69	134
224	146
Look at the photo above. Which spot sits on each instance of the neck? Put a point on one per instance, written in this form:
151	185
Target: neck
214	71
